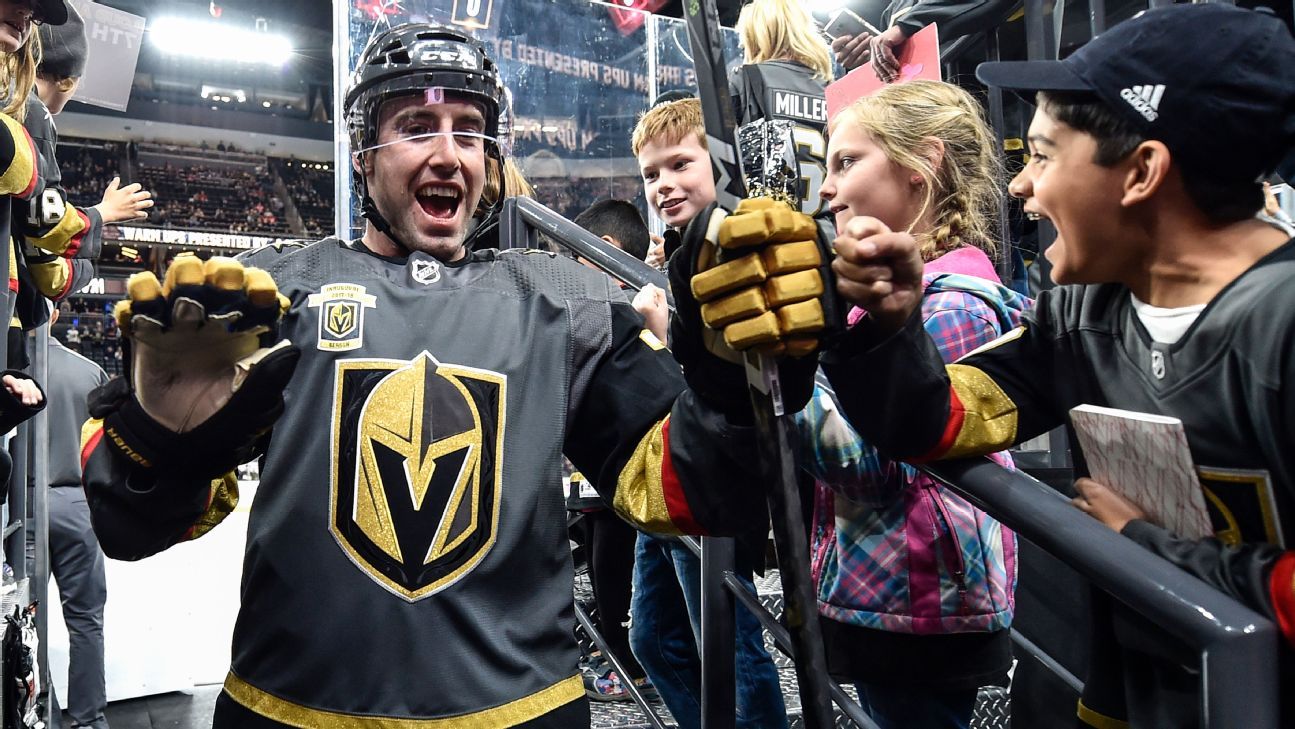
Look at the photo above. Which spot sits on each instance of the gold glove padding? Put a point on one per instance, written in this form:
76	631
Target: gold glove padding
196	335
767	299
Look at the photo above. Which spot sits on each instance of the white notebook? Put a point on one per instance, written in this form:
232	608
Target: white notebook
1145	458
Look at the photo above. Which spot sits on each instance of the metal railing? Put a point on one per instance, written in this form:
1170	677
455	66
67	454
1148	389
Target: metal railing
1238	647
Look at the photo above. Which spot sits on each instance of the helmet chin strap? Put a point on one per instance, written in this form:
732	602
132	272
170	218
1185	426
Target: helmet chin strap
369	211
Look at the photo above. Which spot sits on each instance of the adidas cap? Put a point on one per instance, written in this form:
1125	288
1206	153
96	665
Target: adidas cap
1214	82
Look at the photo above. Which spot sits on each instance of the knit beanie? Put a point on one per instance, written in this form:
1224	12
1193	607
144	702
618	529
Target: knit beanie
64	48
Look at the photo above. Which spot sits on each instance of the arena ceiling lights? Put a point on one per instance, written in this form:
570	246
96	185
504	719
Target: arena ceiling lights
219	42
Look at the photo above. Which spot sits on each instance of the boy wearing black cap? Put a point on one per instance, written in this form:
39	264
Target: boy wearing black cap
1148	148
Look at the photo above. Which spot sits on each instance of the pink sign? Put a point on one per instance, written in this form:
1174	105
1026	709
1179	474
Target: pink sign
919	57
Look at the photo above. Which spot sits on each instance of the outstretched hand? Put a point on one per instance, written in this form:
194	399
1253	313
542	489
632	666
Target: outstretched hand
124	204
878	271
196	337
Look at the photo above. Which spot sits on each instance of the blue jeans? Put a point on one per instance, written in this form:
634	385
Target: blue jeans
899	707
665	630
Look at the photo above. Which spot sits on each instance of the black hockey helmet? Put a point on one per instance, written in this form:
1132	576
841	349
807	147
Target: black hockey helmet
411	58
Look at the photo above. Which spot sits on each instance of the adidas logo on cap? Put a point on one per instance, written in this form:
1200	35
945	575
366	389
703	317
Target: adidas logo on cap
1146	99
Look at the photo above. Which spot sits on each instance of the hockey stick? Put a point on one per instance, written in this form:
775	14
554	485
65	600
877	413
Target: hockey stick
774	425
607	257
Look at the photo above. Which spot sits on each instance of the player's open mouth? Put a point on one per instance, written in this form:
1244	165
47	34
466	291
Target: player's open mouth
439	201
672	203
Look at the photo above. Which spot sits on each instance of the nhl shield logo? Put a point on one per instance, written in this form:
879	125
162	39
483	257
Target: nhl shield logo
341	315
416	477
425	272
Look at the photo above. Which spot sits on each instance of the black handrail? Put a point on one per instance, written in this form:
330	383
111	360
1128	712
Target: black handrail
1238	647
781	637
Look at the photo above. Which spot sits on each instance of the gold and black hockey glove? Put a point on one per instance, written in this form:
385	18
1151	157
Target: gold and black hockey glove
204	374
757	280
763	285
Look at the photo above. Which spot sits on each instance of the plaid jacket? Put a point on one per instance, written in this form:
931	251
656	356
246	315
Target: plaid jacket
891	549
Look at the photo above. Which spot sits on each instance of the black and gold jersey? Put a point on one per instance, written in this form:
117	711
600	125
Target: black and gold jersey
407	558
48	220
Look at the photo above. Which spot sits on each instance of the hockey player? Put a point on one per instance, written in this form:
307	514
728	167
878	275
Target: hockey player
407	561
1175	300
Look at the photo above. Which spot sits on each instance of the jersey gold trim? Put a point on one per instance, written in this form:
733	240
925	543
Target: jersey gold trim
417	469
220	503
1098	719
989	418
511	714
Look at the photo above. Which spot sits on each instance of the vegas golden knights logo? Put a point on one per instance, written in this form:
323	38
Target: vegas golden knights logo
417	476
1242	505
341	316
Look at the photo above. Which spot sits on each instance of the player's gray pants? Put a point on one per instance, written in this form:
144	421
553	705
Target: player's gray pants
77	563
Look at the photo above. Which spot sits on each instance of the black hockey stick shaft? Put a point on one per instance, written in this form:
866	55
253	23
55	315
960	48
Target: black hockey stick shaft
607	257
775	427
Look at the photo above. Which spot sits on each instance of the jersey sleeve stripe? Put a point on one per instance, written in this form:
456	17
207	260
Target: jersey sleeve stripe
52	278
65	238
676	502
986	418
1098	720
645	495
67	285
1281	584
221	501
18	155
91	434
951	429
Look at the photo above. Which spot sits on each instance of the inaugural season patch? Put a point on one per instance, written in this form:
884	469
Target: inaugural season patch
417	476
341	315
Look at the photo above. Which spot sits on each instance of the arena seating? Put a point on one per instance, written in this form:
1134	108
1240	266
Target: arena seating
310	185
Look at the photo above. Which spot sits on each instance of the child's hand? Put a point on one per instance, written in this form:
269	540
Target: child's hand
123	204
650	302
1105	505
656	253
878	271
23	390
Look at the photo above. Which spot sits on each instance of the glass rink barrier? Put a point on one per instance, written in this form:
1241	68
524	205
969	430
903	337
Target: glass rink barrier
579	73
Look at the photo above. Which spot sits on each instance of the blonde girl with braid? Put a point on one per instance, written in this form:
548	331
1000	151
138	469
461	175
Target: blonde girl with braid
916	586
